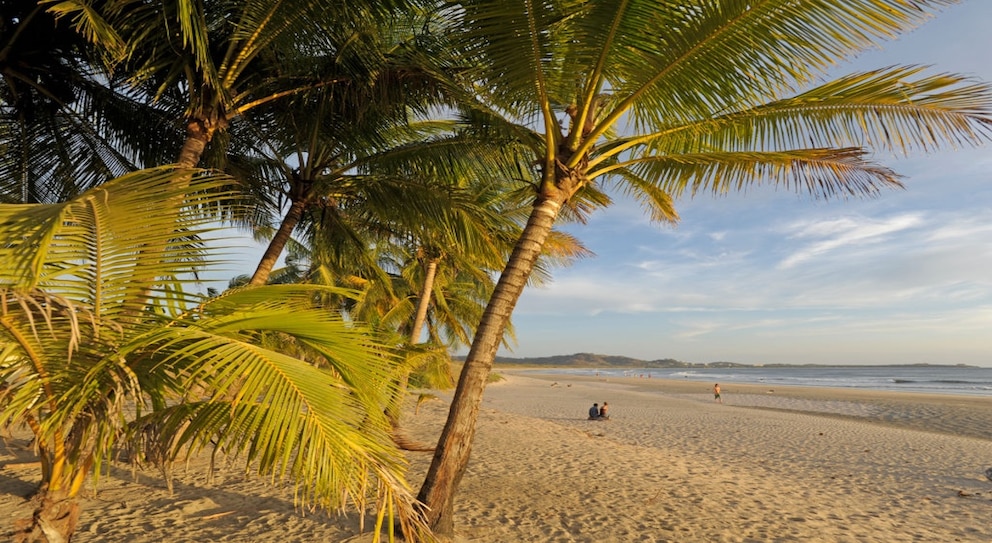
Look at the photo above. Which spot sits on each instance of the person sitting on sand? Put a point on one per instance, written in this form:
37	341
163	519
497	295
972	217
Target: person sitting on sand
603	410
594	411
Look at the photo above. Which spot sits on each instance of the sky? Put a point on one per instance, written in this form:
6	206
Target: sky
774	277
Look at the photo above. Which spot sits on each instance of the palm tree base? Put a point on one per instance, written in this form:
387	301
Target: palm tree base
54	519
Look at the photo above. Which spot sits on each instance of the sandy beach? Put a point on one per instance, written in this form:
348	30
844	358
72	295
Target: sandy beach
789	464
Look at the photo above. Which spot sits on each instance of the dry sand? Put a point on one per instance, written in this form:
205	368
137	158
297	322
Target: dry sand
790	464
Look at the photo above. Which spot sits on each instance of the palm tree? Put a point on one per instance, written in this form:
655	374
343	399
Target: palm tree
65	125
466	233
384	234
212	56
326	169
660	99
87	372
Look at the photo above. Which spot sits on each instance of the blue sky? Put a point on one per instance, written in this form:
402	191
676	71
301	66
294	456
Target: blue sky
774	277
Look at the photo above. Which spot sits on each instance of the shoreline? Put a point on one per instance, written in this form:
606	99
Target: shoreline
955	414
856	381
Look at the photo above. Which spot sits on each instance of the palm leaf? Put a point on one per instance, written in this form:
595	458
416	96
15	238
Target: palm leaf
289	418
86	366
820	172
88	248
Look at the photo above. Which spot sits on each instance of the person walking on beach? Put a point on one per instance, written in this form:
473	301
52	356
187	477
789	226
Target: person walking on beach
594	411
716	393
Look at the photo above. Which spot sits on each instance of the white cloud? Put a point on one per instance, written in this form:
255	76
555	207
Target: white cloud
975	228
832	235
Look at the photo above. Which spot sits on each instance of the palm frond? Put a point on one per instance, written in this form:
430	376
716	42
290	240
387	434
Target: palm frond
95	248
320	427
822	173
265	373
710	55
887	109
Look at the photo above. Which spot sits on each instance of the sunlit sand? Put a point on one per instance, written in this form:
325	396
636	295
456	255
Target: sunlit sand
789	464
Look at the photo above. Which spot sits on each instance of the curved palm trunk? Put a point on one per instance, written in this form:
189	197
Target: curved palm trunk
424	301
451	455
278	243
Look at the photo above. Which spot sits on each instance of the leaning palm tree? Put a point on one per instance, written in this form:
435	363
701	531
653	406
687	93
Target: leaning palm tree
346	107
94	356
324	173
659	99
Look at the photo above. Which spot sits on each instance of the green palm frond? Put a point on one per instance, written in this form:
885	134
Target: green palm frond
319	427
656	200
34	328
711	54
429	365
888	109
345	347
92	25
87	247
823	173
513	39
703	68
883	109
100	346
560	250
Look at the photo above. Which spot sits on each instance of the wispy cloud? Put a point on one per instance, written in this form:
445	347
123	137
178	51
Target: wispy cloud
833	235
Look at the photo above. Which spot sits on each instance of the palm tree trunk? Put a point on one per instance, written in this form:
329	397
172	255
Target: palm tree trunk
199	131
278	243
452	452
424	302
54	521
197	137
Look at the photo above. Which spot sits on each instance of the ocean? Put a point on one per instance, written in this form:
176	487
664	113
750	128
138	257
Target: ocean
963	380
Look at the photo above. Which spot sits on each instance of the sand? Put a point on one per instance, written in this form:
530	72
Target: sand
789	464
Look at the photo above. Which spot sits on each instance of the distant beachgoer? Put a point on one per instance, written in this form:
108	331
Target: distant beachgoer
716	393
603	411
594	411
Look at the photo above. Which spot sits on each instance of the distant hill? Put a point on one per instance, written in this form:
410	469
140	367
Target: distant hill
589	360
